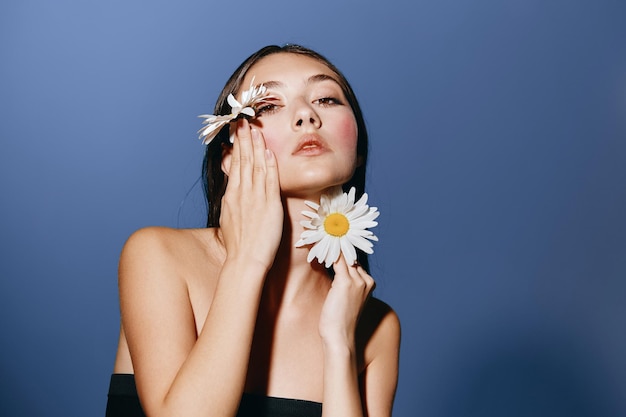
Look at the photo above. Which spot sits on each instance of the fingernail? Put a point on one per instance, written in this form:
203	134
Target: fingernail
254	133
268	154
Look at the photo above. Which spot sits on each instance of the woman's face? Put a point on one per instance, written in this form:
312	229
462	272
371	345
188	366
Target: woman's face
306	121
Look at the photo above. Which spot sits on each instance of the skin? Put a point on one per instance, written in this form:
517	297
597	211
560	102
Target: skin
304	102
210	313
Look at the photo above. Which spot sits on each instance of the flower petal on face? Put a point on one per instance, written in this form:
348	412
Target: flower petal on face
209	118
249	111
215	122
213	125
232	102
209	132
206	131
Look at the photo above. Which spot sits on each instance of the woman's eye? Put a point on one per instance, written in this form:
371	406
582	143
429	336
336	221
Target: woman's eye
328	101
266	108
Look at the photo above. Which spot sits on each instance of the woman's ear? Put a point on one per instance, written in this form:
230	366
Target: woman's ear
227	153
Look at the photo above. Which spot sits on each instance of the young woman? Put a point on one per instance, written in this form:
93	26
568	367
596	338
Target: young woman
231	320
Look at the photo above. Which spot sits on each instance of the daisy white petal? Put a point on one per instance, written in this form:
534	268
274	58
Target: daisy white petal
361	243
248	111
362	200
348	250
351	195
307	239
313	205
310	214
233	103
364	224
215	123
357	212
362	232
333	251
319	250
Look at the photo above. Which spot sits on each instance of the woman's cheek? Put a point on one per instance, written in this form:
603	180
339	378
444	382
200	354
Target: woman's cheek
270	140
348	132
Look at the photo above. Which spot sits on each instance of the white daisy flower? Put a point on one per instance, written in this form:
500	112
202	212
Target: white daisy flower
214	124
337	226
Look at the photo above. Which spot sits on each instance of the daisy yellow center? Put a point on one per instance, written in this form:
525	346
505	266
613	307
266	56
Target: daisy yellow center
336	224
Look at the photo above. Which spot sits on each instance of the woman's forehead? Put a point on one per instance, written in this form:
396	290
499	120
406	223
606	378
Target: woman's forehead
286	67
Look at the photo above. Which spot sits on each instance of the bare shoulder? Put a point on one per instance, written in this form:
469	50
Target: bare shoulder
164	245
166	240
166	281
379	330
378	316
159	257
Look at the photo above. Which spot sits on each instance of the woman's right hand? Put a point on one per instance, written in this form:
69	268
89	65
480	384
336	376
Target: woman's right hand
251	218
175	351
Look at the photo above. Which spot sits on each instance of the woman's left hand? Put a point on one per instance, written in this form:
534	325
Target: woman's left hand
351	287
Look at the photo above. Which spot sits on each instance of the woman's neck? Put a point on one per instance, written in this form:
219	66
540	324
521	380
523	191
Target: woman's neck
291	276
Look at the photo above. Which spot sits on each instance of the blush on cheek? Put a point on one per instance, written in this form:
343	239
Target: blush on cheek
271	143
268	136
348	132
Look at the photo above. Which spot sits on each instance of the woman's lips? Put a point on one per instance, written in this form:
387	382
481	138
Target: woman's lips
310	145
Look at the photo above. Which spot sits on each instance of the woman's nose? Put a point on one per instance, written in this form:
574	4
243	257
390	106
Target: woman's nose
306	115
312	120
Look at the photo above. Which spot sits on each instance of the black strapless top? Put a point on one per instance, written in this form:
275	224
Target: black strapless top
124	402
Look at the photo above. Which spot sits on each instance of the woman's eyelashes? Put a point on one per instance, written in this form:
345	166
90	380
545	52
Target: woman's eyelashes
328	101
265	108
268	107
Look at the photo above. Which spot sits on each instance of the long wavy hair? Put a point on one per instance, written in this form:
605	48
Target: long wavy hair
214	179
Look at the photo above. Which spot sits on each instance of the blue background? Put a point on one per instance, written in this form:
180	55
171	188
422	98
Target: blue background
498	143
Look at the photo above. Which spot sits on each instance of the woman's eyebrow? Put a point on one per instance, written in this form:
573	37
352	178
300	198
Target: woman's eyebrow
272	84
312	79
321	77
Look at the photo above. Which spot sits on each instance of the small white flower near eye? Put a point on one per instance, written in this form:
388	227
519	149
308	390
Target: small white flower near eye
215	123
337	226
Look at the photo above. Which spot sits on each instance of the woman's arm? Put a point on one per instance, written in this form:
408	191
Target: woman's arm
380	377
343	395
179	372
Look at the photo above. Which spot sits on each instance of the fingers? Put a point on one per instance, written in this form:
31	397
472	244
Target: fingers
348	295
251	162
258	164
272	183
242	154
252	215
355	273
